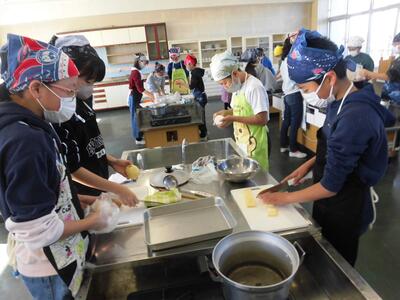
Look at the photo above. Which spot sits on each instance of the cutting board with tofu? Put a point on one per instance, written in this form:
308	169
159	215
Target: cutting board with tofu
267	217
133	216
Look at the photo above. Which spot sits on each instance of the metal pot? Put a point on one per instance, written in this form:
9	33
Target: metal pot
255	265
159	109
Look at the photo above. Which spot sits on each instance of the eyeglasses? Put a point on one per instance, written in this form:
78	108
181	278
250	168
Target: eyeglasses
69	92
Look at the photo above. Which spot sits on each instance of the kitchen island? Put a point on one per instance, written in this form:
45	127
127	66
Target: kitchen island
170	124
122	264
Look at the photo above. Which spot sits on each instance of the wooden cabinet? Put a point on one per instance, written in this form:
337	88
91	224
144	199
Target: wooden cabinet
110	95
137	34
187	47
164	137
157	42
124	54
277	39
237	46
308	138
117	96
258	42
95	38
115	36
118	36
209	49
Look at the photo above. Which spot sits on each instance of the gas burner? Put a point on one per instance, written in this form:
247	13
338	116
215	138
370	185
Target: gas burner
169	120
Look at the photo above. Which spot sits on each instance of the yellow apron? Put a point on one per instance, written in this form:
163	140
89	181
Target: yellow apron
250	138
179	81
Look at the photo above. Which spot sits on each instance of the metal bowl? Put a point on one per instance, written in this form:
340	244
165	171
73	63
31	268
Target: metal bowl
237	169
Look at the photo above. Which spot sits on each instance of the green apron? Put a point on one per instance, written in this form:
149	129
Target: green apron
250	138
179	80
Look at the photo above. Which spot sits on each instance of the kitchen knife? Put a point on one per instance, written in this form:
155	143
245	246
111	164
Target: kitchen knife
284	185
280	187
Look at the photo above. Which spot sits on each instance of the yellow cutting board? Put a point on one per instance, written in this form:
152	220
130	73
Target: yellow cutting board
257	217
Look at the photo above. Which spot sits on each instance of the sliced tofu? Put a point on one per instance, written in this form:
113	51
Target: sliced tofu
272	210
249	198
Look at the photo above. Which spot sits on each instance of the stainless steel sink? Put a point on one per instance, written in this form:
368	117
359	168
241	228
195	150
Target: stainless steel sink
166	156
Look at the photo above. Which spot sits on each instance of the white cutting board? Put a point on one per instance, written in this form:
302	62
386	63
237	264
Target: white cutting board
288	217
133	216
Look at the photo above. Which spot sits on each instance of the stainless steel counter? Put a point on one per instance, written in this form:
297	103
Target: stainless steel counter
125	249
127	245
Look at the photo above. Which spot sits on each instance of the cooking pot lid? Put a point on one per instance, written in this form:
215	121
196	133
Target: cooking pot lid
157	179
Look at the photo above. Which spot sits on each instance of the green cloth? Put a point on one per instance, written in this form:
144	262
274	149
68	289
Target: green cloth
179	82
251	138
363	59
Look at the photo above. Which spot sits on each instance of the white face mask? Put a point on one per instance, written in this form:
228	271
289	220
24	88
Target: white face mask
142	65
85	92
396	50
235	86
64	113
353	53
313	99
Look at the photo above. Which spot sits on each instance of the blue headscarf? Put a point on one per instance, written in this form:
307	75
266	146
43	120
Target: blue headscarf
305	63
391	90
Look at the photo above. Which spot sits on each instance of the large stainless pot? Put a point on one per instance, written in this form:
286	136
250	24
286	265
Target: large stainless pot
255	265
158	109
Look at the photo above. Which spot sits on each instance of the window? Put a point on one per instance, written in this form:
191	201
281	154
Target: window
376	21
337	31
398	25
358	26
338	7
358	6
382	29
383	3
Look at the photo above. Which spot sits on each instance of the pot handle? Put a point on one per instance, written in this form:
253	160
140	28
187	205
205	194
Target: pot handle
212	271
301	251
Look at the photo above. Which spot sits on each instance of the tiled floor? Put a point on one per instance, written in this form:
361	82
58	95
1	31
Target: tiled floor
379	259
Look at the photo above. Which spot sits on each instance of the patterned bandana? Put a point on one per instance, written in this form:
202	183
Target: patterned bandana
24	59
174	51
306	64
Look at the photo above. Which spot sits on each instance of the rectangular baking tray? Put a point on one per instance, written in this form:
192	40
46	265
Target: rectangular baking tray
186	223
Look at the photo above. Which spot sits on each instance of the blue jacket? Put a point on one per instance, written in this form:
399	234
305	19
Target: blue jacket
356	139
29	179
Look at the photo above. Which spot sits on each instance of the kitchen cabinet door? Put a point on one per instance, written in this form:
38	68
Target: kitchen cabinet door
123	95
157	42
116	36
117	95
137	34
95	38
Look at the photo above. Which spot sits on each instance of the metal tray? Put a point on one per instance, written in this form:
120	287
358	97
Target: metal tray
186	223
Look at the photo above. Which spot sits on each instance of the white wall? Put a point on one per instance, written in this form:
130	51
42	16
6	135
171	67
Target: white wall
26	11
201	23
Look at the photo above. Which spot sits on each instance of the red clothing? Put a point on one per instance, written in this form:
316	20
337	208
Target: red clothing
135	82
